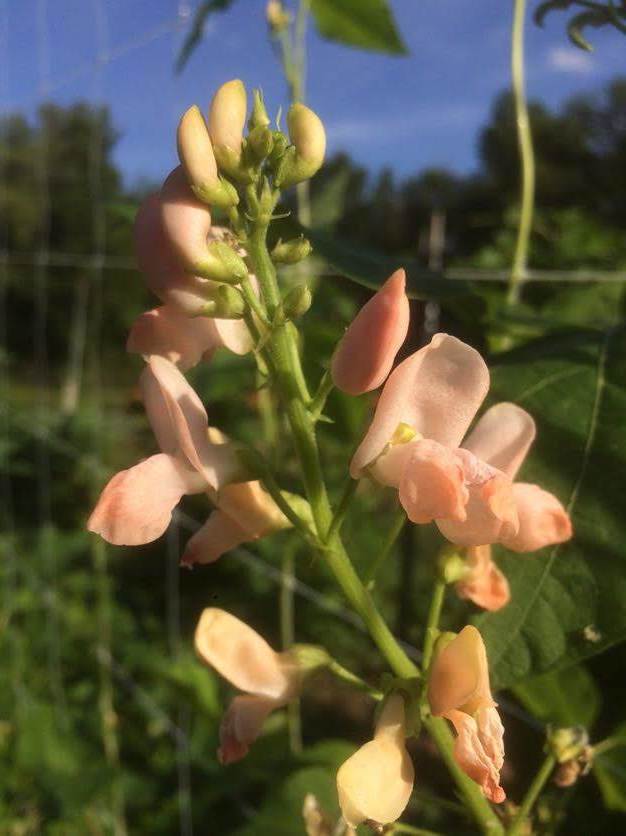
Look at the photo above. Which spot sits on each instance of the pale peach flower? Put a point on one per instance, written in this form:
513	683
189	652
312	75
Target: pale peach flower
375	783
459	690
366	352
136	505
185	341
412	444
239	654
227	119
502	437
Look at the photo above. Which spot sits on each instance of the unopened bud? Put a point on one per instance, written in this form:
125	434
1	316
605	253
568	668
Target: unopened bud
291	252
258	117
260	143
195	150
309	658
278	18
567	744
221	264
297	301
280	145
452	566
227	303
227	117
308	137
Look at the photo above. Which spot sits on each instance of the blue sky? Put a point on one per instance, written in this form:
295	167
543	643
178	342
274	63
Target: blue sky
408	112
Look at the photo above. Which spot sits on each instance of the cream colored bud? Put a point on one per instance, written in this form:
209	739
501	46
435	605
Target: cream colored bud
278	18
227	118
195	150
308	138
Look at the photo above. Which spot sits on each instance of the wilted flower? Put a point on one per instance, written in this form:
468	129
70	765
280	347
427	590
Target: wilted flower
136	505
412	444
483	583
459	690
366	352
375	783
269	679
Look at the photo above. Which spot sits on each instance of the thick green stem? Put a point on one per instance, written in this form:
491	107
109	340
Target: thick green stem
288	371
432	625
526	153
531	796
352	679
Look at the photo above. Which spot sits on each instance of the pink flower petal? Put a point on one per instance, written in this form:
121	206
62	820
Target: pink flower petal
502	437
459	676
186	221
242	724
180	422
167	333
219	534
234	335
484	584
436	391
491	509
543	521
136	505
366	352
432	484
242	657
478	749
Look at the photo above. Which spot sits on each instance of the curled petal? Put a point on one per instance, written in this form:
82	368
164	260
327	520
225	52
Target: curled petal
433	484
375	783
484	583
242	657
491	512
180	422
168	333
219	534
543	521
502	437
241	725
366	351
436	391
459	677
136	505
186	221
479	749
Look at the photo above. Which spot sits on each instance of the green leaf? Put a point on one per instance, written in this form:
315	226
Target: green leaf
568	601
328	203
370	269
566	698
367	24
610	771
196	31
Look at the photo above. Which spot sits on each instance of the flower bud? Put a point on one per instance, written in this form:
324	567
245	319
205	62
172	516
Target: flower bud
277	17
297	301
566	744
260	142
291	252
308	137
280	145
366	352
222	264
227	117
375	784
195	152
228	303
259	117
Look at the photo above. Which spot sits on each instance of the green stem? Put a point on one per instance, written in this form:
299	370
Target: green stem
318	402
287	630
608	743
517	826
383	554
288	370
432	624
400	827
526	153
342	509
352	679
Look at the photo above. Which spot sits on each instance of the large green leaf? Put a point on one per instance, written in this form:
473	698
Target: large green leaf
367	24
565	698
569	601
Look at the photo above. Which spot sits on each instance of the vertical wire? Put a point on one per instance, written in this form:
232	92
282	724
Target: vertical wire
99	549
43	416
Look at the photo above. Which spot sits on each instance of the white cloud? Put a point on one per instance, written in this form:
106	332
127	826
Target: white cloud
570	60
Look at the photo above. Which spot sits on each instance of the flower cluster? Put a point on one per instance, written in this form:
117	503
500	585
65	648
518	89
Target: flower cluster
420	443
